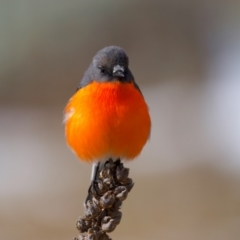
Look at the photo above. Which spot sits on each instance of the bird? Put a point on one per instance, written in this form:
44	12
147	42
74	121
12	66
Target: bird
107	117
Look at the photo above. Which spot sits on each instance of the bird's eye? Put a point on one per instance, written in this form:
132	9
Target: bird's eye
102	69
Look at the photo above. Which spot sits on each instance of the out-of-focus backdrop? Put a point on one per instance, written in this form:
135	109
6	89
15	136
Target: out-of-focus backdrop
185	56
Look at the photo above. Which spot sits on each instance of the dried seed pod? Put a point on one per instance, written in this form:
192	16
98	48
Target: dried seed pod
102	187
92	235
117	216
102	213
108	224
110	164
92	208
108	181
80	237
104	236
105	173
83	224
121	192
129	184
100	217
122	173
107	200
117	204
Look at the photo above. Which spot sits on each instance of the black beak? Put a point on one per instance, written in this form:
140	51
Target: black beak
118	71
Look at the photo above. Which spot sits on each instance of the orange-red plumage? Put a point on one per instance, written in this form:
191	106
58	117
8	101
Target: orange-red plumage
107	119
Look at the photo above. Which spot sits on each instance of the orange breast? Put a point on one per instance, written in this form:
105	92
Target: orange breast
107	120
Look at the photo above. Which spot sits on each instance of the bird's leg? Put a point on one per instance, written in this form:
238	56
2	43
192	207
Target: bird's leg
95	170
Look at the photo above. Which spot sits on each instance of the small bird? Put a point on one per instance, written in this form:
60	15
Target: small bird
107	117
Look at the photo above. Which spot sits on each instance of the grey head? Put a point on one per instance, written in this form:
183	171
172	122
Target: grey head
109	64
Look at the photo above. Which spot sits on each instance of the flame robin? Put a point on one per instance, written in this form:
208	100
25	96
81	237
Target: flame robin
107	118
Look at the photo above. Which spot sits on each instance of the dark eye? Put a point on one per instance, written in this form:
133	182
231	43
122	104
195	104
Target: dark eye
102	69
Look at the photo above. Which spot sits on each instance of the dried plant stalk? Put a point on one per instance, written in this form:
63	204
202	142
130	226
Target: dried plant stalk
106	194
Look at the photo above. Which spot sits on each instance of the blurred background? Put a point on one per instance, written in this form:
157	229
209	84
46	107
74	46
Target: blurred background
185	56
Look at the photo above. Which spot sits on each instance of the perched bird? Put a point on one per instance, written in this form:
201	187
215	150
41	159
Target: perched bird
107	118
